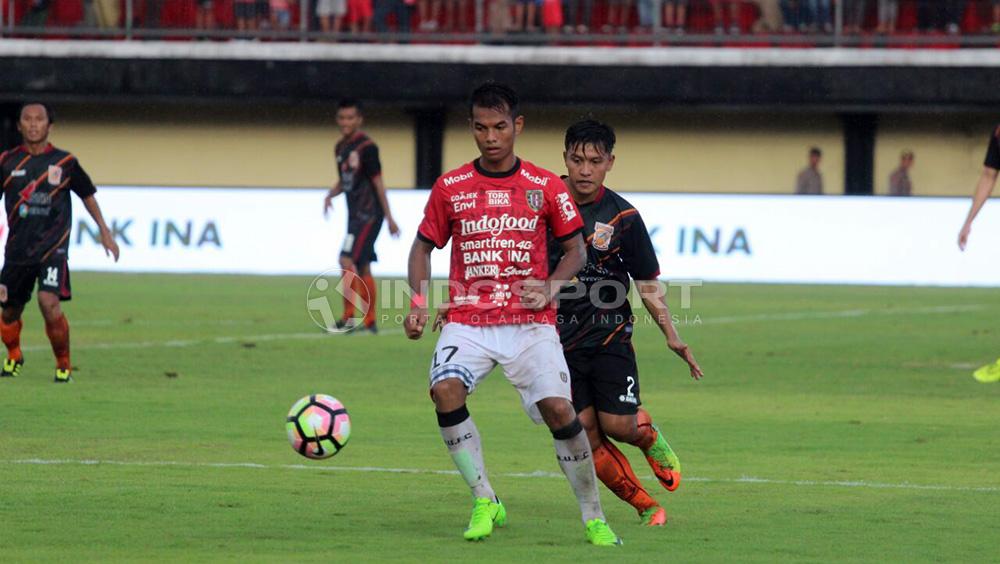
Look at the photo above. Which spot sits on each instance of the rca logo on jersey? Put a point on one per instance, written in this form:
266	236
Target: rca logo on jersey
566	207
497	225
602	235
449	180
534	179
55	175
498	198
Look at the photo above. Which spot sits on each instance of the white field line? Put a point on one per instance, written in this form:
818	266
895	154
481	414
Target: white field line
842	314
180	343
788	316
536	474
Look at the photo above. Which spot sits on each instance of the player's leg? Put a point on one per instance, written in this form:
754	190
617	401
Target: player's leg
611	466
369	294
533	361
18	281
363	255
53	288
457	366
616	398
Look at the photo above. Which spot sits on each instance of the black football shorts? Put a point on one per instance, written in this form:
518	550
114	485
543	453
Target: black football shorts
51	276
606	378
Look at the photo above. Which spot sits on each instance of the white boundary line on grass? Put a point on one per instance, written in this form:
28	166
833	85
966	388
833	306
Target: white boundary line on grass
536	474
788	316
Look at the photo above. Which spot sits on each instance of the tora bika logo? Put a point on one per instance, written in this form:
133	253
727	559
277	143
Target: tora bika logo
497	225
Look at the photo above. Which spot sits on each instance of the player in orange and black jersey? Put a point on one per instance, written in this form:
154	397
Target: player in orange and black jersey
37	179
595	323
360	180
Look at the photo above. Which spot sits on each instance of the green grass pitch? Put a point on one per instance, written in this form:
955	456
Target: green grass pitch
835	423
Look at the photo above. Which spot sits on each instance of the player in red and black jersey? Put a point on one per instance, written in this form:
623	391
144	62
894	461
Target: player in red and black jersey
360	180
595	323
37	180
987	181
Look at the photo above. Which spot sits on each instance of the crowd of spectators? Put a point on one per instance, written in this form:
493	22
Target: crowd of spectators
736	17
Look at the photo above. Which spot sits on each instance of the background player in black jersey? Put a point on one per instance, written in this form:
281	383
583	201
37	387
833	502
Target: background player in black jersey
987	181
595	323
37	179
360	179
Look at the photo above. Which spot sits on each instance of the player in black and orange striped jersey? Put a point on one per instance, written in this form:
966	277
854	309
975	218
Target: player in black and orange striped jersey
37	179
360	180
595	323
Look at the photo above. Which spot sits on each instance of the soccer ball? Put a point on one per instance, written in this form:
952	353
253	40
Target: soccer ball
318	426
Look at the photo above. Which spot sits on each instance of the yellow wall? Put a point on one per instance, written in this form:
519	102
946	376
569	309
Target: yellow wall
217	145
948	151
683	151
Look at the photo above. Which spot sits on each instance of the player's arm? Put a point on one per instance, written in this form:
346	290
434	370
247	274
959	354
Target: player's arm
987	181
653	295
107	239
328	200
383	201
418	275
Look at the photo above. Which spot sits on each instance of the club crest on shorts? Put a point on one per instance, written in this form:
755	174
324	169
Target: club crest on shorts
535	199
602	235
564	377
55	175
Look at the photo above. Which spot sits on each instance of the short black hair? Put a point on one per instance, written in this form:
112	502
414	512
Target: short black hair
590	132
495	96
48	110
816	151
351	103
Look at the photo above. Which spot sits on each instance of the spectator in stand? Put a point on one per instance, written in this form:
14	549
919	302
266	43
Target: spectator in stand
402	9
152	10
551	16
331	14
428	12
246	14
854	15
810	180
734	16
888	12
359	15
619	13
455	15
525	12
580	14
996	16
498	21
815	15
38	14
645	10
899	180
281	14
675	15
770	20
263	11
789	14
935	15
204	16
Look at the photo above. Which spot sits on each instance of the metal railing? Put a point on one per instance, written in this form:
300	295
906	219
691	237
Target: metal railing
654	34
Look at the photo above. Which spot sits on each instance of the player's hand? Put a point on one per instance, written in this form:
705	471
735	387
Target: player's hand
963	236
393	228
683	351
327	205
414	323
109	244
3	293
441	317
534	294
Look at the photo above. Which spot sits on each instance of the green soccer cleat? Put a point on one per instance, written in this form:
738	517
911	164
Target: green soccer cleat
485	514
655	516
600	534
664	462
11	368
986	374
62	376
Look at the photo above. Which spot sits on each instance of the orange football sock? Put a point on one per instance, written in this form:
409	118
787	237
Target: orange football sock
370	298
348	282
58	332
647	434
11	333
614	470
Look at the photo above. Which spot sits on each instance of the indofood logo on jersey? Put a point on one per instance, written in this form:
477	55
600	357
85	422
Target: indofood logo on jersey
497	225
